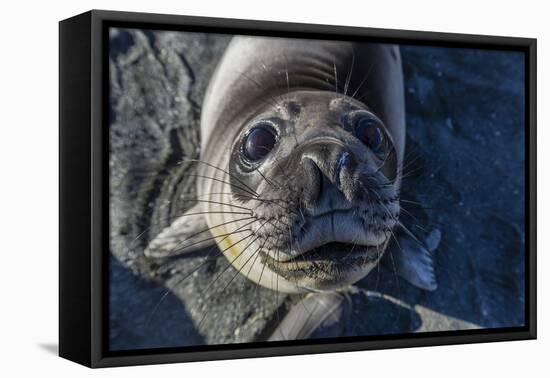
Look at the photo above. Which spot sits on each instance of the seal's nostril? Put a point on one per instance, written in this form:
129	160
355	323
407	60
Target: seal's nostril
313	184
341	163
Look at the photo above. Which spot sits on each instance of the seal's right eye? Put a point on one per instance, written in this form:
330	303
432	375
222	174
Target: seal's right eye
258	142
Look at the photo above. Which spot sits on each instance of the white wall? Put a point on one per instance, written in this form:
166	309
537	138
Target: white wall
28	186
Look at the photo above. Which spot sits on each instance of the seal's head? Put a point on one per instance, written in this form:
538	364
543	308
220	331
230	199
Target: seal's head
320	173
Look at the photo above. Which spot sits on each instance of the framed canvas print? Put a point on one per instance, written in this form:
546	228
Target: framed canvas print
234	188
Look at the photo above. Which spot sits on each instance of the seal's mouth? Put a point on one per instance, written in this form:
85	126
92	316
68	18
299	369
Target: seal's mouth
333	251
328	250
326	265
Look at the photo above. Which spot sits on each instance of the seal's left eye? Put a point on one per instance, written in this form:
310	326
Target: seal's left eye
258	143
369	132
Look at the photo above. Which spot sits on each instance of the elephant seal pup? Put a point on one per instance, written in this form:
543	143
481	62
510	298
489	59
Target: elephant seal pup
302	145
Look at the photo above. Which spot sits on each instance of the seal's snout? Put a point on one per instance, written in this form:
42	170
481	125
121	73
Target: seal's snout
323	165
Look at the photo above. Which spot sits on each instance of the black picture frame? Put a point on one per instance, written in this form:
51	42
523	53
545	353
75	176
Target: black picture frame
83	196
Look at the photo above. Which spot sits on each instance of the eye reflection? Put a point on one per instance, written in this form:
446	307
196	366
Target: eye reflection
369	132
259	142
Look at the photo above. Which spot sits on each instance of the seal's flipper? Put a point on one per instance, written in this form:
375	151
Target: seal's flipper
412	258
318	315
186	234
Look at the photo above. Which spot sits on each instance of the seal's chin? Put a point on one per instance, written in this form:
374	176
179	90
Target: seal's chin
328	267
